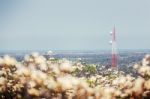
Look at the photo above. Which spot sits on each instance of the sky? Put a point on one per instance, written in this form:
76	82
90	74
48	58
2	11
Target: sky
73	24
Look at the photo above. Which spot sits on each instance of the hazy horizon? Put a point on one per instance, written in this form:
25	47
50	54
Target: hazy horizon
89	50
73	25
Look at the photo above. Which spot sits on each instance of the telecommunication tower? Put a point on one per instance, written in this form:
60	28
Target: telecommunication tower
114	54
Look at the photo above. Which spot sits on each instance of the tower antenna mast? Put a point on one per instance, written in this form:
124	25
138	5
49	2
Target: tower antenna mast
114	54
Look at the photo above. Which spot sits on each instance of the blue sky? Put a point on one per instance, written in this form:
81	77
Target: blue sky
73	24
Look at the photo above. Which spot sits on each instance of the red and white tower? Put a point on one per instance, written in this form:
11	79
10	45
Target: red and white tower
114	57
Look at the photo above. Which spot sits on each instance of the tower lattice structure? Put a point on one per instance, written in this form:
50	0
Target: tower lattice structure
114	54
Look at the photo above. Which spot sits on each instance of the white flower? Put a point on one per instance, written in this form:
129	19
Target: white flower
40	60
66	66
144	70
42	75
50	83
31	84
108	92
146	60
115	82
65	83
75	82
38	76
43	67
35	54
136	66
138	86
28	58
55	69
9	60
23	71
117	93
33	92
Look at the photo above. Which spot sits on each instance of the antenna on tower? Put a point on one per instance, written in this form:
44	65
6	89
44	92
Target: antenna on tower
114	54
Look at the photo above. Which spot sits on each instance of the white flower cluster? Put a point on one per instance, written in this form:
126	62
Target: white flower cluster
38	77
